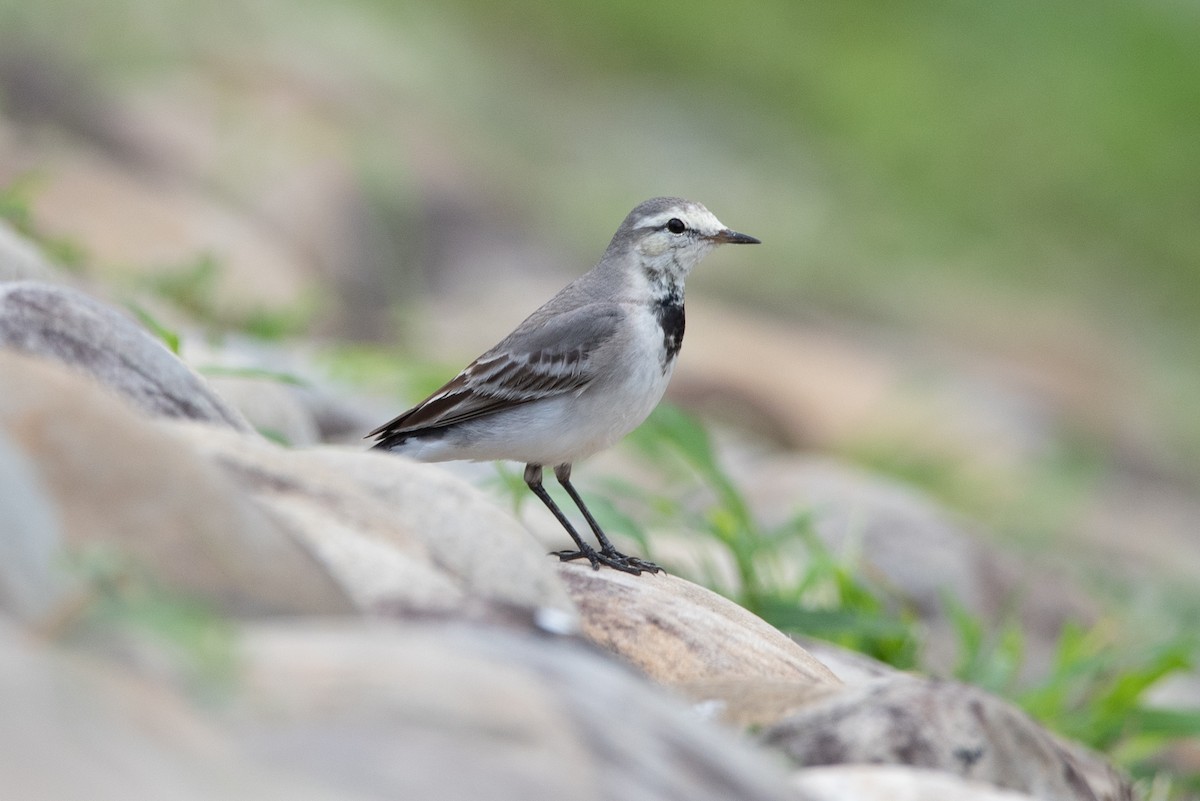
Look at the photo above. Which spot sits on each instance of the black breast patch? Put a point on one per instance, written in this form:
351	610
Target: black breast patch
670	315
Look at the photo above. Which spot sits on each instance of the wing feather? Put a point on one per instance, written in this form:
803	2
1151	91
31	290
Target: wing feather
532	363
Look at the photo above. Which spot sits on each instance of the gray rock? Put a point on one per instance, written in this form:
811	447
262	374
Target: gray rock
894	783
31	582
338	418
401	537
121	484
55	322
949	727
852	667
74	727
273	408
458	712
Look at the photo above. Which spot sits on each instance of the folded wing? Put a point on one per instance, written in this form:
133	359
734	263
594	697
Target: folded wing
536	361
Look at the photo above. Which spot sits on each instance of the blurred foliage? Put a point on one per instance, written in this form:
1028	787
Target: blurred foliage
1096	692
383	371
119	602
897	149
1052	146
950	166
1023	505
192	288
969	168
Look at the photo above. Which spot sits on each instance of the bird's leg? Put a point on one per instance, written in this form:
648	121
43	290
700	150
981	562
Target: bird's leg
533	479
630	564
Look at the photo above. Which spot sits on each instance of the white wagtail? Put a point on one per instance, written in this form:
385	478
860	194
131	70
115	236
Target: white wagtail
581	372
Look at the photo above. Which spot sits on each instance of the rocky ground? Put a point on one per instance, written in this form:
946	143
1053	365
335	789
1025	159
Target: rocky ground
351	625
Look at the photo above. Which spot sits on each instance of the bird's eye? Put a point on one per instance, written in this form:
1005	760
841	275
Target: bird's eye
676	226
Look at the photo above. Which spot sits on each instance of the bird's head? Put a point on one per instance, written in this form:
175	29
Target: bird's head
668	236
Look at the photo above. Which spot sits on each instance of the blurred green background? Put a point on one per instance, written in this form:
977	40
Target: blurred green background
1004	174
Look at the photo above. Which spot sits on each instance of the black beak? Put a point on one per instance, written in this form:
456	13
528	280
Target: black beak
728	237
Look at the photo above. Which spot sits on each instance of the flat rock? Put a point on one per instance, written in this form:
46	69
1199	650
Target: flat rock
679	633
894	783
68	326
401	537
122	484
452	711
949	727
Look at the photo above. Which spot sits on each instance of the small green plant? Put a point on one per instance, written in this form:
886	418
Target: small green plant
825	599
1095	691
831	602
167	336
1096	694
987	658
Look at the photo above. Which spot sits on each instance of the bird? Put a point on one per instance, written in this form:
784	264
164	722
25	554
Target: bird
579	373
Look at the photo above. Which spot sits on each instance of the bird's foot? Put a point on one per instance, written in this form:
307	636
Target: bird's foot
611	558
